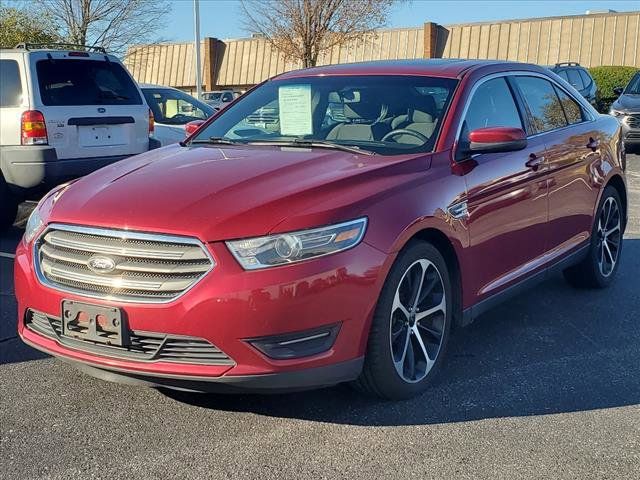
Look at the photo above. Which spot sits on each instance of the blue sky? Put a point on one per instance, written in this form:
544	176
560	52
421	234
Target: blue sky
223	18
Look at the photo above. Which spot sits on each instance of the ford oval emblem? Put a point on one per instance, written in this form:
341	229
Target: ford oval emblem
101	264
102	110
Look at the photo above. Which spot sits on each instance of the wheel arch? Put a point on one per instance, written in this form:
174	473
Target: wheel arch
445	246
617	182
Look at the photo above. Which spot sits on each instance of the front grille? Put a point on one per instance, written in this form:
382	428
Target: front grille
143	346
146	267
633	121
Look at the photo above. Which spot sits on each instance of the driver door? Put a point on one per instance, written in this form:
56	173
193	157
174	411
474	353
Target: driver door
506	196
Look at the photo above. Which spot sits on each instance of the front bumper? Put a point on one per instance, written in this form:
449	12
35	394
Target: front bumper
229	307
631	129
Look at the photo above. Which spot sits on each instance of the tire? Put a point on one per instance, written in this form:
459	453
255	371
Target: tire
599	267
384	374
8	206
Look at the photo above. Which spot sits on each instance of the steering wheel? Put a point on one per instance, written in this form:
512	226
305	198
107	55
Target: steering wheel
404	131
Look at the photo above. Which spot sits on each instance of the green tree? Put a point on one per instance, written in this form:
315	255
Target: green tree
24	25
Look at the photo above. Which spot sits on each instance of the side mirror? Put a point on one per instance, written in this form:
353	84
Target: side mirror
191	127
496	139
618	90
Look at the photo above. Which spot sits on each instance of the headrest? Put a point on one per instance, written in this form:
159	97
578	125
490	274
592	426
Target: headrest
418	116
366	109
427	104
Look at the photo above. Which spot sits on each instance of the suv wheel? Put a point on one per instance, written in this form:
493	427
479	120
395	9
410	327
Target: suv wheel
8	205
410	326
598	269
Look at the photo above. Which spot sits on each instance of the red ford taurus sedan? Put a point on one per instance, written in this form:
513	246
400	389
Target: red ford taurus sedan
332	225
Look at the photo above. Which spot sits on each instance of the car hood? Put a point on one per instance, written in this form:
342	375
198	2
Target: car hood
219	193
630	103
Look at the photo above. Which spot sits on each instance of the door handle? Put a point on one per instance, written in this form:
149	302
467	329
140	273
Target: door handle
534	162
593	144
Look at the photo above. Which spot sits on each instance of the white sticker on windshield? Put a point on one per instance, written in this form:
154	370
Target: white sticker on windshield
295	110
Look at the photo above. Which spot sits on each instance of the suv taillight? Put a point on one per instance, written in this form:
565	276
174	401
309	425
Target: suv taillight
33	129
152	122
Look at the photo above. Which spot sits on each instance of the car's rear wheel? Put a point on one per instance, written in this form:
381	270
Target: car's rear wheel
8	205
599	267
410	326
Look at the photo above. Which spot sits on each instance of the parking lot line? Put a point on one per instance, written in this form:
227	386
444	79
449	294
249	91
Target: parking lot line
7	255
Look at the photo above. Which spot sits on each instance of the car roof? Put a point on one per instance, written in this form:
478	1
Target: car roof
450	67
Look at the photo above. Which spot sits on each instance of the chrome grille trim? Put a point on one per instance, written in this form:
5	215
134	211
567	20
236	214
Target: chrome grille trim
150	268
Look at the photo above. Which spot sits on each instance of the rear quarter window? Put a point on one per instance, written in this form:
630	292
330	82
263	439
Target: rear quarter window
10	84
85	82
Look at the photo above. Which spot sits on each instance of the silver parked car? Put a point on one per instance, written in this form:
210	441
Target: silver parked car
172	110
627	109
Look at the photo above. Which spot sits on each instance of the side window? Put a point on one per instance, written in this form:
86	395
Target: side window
11	91
492	105
575	79
227	97
572	109
544	105
563	74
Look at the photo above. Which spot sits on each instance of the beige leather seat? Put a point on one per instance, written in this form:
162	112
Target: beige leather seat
365	120
421	120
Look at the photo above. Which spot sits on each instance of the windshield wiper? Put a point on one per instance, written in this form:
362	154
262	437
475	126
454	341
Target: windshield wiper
301	142
218	141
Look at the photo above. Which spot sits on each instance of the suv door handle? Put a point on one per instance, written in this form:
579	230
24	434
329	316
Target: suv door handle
593	144
534	162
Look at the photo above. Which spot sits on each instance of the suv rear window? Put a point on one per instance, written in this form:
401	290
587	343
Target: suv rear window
85	82
11	88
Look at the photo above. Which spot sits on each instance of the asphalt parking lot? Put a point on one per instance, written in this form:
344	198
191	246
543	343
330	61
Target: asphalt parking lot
544	386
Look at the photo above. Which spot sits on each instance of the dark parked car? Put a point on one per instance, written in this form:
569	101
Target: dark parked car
578	77
627	109
326	248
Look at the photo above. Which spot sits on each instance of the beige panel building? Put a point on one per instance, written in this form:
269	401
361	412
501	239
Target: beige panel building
593	40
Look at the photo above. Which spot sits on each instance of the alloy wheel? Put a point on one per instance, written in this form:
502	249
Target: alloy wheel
418	317
609	236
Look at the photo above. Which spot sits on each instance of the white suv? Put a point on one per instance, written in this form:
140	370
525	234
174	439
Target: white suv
63	114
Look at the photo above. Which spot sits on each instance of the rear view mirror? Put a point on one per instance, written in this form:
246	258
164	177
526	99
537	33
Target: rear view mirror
496	139
191	127
618	90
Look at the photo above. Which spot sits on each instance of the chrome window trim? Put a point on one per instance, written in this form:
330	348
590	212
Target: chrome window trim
586	106
122	234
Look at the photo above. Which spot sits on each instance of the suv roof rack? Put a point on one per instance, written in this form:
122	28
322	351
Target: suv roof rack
60	46
567	64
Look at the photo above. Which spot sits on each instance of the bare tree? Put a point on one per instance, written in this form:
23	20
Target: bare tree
302	29
114	24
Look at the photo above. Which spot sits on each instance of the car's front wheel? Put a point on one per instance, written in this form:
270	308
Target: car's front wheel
410	326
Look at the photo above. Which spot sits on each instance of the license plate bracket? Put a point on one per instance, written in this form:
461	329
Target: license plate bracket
93	323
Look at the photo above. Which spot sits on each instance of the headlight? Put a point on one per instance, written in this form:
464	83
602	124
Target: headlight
615	113
34	225
273	250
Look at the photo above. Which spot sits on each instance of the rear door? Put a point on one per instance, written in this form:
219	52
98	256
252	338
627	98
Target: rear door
572	141
13	97
92	106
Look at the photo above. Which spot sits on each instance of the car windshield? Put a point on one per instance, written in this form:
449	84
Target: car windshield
388	115
634	86
173	107
211	97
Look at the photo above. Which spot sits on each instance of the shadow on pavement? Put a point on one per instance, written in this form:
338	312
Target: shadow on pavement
553	349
